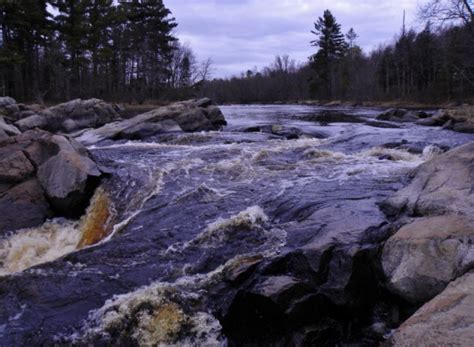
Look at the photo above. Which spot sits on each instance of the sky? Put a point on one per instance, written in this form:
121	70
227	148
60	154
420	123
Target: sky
239	35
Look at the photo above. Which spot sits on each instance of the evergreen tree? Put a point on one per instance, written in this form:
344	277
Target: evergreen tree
332	48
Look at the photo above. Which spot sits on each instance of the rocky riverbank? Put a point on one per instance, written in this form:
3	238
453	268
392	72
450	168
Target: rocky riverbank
319	228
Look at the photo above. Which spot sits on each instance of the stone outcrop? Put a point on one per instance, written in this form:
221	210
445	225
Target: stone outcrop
447	320
432	254
442	185
459	119
400	115
42	175
191	115
68	117
423	257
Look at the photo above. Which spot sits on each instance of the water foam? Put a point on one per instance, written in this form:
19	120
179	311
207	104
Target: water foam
29	247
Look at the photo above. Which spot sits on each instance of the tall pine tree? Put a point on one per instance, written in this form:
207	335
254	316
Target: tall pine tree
332	47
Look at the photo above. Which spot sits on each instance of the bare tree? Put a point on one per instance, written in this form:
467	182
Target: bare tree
443	11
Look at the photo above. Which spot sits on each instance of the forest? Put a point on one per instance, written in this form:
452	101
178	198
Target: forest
127	51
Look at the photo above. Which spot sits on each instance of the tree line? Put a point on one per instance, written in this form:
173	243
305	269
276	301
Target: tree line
435	64
127	51
64	49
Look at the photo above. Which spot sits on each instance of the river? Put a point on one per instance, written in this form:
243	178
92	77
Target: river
201	226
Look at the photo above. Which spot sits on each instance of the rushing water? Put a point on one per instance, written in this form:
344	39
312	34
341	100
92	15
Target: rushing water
184	211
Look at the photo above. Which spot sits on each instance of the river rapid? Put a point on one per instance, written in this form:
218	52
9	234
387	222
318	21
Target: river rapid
220	238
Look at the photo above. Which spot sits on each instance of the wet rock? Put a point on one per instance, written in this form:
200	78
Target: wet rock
464	127
378	124
69	179
447	320
334	117
23	206
146	130
441	185
41	172
394	114
424	256
33	121
189	115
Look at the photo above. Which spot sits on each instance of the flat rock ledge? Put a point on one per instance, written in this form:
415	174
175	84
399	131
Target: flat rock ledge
188	116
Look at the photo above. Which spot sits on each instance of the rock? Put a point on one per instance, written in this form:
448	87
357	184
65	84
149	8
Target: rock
187	114
7	101
54	169
8	129
410	116
79	114
23	206
424	256
146	130
378	124
14	166
441	185
9	108
3	135
194	120
393	114
449	125
33	121
69	179
215	115
334	117
464	127
447	320
428	122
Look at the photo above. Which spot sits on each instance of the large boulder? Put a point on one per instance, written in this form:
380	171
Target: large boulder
460	119
191	115
42	175
401	115
31	122
23	206
8	129
441	185
434	245
9	108
447	320
79	114
423	257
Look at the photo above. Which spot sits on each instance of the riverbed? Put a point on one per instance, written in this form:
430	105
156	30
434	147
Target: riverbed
204	227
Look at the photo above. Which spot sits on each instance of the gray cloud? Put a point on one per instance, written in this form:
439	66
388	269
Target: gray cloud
241	34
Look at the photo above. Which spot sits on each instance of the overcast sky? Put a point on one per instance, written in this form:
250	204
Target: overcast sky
242	34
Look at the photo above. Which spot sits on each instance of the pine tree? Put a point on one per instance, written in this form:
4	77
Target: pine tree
332	48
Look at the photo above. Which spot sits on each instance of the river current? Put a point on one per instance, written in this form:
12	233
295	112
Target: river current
180	214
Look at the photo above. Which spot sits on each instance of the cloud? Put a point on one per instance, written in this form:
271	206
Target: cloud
241	34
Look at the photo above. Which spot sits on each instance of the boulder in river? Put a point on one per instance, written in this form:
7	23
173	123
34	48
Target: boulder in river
401	115
79	114
459	119
190	116
442	185
41	175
